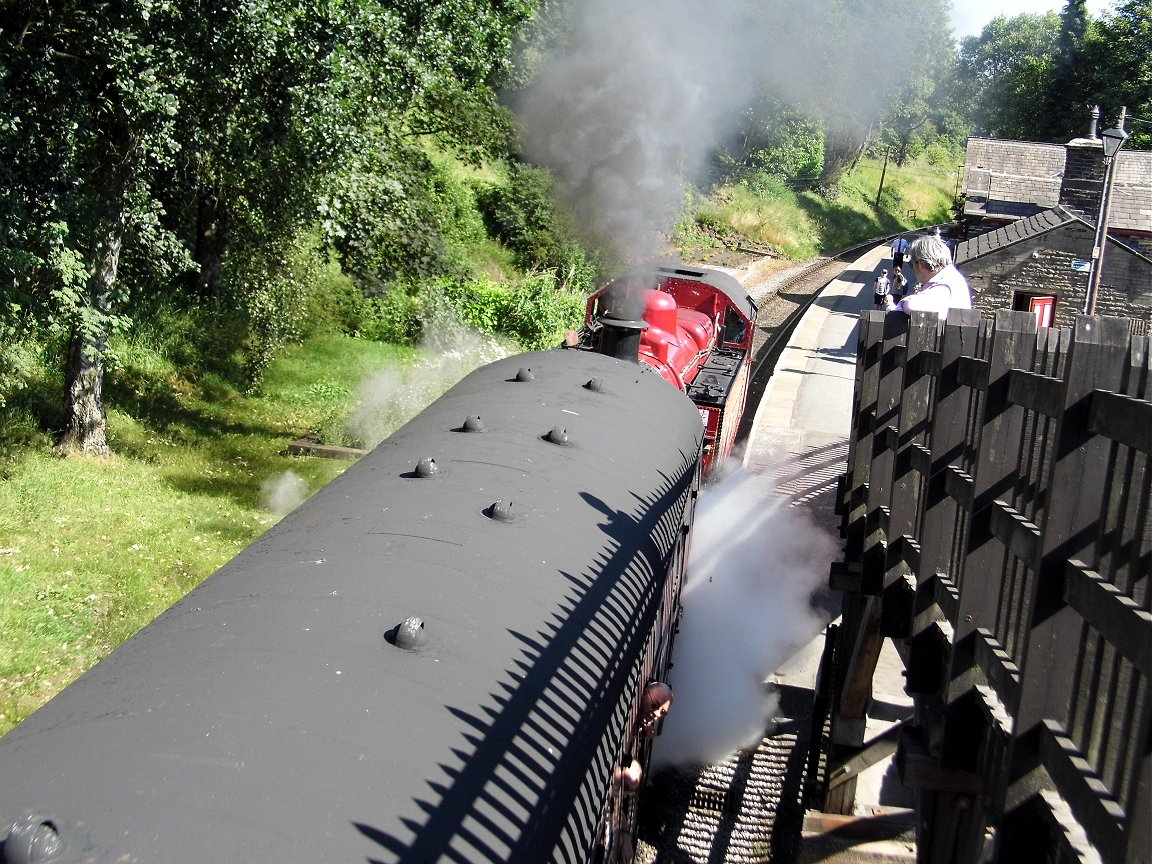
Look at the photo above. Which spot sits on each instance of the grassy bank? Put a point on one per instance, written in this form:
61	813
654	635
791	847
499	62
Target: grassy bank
872	200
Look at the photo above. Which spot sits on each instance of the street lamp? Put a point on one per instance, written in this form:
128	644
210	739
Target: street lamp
1113	140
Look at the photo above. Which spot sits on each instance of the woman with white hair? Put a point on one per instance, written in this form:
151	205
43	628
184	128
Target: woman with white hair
942	286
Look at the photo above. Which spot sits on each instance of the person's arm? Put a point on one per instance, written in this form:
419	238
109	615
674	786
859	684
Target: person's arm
933	297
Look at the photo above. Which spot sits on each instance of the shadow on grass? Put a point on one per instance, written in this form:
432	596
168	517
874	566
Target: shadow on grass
840	226
162	405
237	451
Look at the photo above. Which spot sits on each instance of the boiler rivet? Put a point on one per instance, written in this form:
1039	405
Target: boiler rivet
501	511
32	840
409	634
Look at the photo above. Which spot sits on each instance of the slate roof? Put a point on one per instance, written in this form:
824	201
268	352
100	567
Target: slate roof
1131	207
1026	229
1020	179
1011	179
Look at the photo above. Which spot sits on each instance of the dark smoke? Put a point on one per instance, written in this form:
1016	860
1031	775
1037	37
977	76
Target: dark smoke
629	109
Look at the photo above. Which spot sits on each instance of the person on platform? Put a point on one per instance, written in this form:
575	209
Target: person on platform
942	286
881	288
899	250
899	284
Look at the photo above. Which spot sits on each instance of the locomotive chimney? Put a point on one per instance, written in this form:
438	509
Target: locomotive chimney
622	323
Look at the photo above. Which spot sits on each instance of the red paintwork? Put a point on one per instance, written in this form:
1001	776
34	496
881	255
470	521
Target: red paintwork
686	320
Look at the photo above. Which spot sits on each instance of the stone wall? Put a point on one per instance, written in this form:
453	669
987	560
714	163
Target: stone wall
1044	265
1083	176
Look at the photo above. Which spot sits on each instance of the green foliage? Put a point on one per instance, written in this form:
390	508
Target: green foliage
534	311
268	289
392	317
523	215
195	183
1116	68
1003	73
17	359
773	140
541	310
386	213
1033	77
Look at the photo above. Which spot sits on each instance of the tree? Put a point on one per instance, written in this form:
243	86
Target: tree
772	137
1063	116
1003	75
1117	66
90	118
204	141
877	65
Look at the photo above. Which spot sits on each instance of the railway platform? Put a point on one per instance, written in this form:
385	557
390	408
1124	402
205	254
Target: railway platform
799	438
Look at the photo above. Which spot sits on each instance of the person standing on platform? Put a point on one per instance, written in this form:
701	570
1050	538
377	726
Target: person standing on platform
899	250
942	286
899	284
880	290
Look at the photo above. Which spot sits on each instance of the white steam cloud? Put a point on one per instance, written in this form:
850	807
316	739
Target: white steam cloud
391	398
284	493
753	569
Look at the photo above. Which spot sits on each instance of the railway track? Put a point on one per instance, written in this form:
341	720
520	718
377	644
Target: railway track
750	808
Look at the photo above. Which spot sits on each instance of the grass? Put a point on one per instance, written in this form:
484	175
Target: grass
804	225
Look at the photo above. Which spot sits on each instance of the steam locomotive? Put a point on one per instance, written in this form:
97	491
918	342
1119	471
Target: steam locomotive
695	328
447	654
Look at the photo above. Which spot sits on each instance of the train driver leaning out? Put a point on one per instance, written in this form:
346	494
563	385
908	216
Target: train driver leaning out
942	286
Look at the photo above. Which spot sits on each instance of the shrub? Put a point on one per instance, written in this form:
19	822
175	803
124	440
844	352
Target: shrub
17	360
391	317
534	311
524	217
539	311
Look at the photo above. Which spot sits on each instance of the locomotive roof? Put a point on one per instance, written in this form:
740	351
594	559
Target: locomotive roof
726	284
265	717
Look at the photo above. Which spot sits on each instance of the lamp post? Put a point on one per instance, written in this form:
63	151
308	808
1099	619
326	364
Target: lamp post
1113	140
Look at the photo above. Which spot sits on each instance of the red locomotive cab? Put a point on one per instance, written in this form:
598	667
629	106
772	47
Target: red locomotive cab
696	332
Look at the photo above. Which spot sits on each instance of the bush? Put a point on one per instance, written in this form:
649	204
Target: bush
17	360
523	216
391	317
539	311
533	311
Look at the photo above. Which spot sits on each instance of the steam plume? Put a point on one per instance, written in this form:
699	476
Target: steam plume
629	108
284	493
754	566
391	398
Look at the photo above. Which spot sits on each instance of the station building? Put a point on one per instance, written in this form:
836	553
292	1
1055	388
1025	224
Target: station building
1028	229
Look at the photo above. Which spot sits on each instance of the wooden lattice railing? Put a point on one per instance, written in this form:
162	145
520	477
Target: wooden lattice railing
997	515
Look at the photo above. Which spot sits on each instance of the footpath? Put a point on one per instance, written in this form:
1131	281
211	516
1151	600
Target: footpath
799	438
